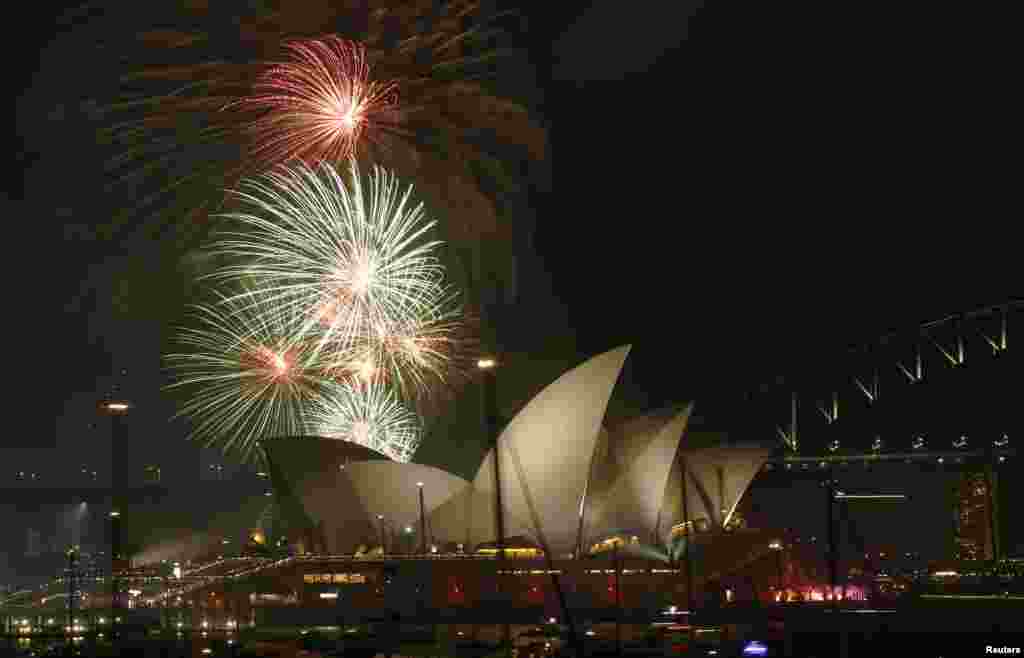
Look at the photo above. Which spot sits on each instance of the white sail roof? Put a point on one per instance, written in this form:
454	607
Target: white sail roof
546	452
629	480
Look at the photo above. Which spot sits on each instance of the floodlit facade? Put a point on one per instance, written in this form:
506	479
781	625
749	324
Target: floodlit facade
568	484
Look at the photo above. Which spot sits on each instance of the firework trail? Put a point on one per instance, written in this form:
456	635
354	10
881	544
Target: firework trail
369	415
248	377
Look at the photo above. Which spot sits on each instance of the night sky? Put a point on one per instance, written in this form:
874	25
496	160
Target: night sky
736	204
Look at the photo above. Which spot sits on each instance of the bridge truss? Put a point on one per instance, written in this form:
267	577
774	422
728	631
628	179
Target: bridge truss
943	390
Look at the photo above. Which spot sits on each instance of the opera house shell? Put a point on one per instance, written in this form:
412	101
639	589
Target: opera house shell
567	482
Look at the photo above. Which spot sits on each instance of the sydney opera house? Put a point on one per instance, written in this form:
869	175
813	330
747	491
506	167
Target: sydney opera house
569	485
574	497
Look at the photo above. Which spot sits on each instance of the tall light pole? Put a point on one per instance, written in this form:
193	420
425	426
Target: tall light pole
423	521
115	409
72	554
115	556
487	365
777	547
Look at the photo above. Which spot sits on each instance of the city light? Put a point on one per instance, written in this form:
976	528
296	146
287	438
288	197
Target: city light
115	514
116	406
486	363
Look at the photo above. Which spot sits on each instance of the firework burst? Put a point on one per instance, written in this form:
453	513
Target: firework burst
416	353
351	262
248	376
318	104
370	415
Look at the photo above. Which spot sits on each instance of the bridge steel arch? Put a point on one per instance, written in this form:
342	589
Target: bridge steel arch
833	408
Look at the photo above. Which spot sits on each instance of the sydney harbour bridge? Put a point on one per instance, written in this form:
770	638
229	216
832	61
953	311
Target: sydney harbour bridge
938	397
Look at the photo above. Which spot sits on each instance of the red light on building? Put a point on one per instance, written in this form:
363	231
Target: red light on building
456	592
611	593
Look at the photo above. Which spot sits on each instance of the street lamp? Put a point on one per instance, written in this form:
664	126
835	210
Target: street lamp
72	555
777	546
380	524
114	408
487	365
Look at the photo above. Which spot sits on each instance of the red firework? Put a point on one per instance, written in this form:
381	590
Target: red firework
319	103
